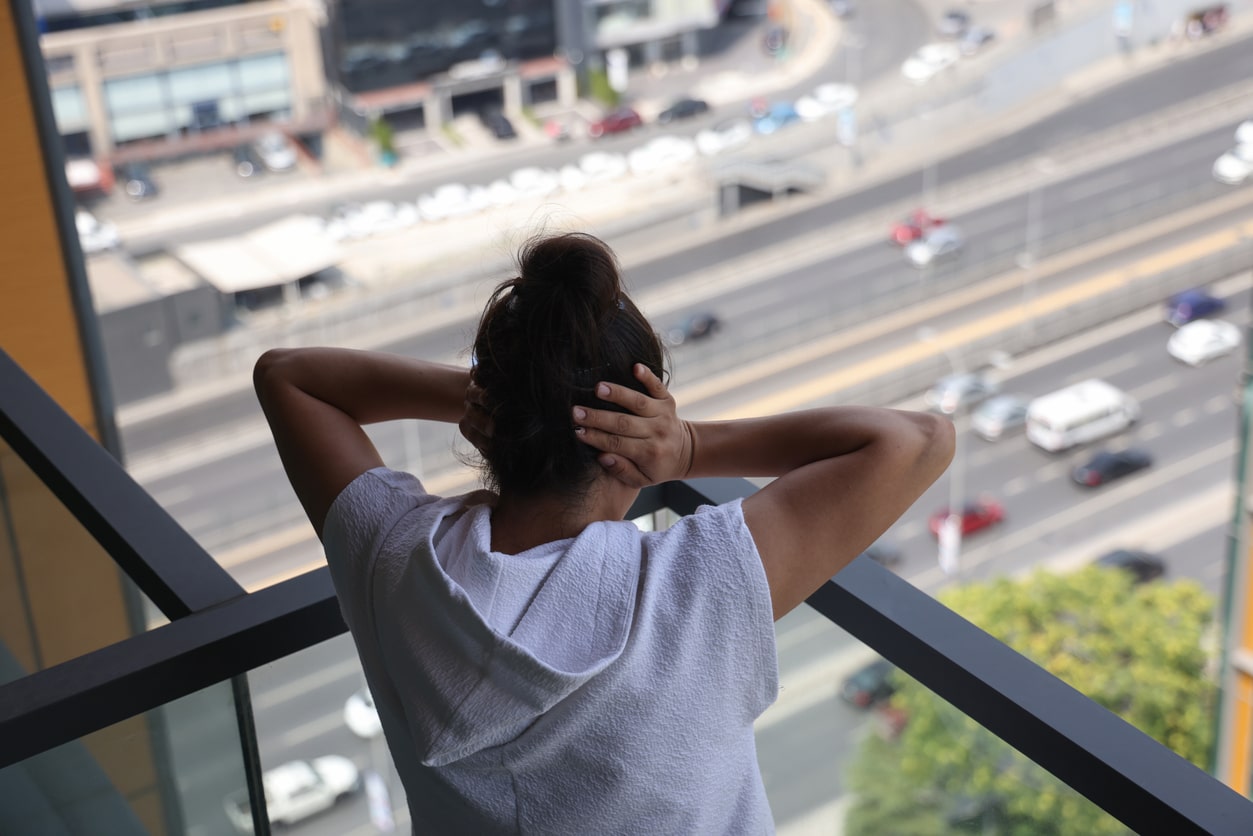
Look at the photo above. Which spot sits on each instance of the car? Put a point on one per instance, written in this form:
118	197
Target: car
246	161
1107	465
1206	21
929	61
533	181
136	180
825	100
619	120
297	790
777	116
913	226
953	23
951	392
870	685
276	151
974	39
1189	305
360	715
661	153
724	136
939	244
1143	566
998	416
1244	132
95	236
683	109
698	326
498	123
600	166
976	515
1234	167
885	554
1203	340
843	9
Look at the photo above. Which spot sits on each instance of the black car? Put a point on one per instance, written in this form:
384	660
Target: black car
953	23
136	181
696	327
246	161
871	685
1143	566
682	109
1108	465
498	123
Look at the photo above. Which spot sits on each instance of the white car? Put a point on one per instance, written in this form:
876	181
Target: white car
1244	132
533	181
724	136
95	236
360	715
1202	340
826	100
603	165
452	200
940	243
297	790
501	193
1236	166
661	153
276	151
929	61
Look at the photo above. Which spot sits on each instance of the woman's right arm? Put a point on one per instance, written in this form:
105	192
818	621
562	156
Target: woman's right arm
844	474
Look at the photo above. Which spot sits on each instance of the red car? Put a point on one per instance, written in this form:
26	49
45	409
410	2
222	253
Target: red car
977	515
615	122
917	224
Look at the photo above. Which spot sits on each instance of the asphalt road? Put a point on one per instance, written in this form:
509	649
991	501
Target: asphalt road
806	740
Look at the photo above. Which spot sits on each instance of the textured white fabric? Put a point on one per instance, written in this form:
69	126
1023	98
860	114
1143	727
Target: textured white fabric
602	684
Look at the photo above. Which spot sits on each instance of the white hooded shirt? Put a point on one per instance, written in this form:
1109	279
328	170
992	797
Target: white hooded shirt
606	683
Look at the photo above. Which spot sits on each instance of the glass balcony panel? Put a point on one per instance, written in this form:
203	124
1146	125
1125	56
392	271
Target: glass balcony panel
314	705
51	568
169	771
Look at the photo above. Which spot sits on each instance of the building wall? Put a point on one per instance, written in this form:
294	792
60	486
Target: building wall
60	595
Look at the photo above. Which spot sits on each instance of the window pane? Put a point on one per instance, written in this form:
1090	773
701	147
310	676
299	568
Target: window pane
70	112
140	93
263	72
198	84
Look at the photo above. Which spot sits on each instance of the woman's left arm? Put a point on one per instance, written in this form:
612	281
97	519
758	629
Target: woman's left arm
317	400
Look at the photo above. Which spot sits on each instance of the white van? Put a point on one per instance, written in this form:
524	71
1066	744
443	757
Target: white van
1078	414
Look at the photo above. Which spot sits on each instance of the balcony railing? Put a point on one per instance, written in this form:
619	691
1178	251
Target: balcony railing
217	632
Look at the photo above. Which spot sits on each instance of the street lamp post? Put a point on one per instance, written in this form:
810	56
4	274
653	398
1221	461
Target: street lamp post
1030	255
950	533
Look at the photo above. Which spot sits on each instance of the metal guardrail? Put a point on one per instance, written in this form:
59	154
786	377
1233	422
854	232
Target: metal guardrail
1140	782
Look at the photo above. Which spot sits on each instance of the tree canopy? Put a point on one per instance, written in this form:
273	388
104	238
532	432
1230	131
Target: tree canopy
1139	650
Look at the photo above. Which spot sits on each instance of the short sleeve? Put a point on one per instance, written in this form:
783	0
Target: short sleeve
356	524
711	594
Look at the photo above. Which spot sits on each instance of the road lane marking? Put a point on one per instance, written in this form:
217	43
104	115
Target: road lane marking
346	669
1184	417
1016	486
308	731
1122	363
1154	388
1216	404
1096	185
1150	430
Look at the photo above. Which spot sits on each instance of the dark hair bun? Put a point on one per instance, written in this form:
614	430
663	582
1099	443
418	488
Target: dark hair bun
572	270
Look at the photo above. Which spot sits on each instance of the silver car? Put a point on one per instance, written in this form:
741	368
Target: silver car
940	243
999	416
951	393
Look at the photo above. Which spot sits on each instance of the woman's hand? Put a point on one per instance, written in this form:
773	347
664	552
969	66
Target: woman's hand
476	422
649	445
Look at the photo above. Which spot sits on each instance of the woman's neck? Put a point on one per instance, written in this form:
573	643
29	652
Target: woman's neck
524	522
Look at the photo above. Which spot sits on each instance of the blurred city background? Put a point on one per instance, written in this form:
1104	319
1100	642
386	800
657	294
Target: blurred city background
957	205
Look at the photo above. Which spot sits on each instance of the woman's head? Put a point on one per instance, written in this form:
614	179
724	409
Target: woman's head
546	338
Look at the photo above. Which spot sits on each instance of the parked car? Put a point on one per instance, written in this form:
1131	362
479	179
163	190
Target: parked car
619	120
276	151
825	100
997	417
95	236
929	61
953	23
660	153
913	226
1206	20
360	715
1244	132
885	554
297	790
498	123
246	161
843	9
724	136
777	116
938	244
1184	307
976	515
1143	566
1203	340
603	165
698	326
951	392
975	39
1234	167
1109	465
683	109
870	685
136	180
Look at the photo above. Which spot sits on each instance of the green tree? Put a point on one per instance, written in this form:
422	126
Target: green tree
1138	650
